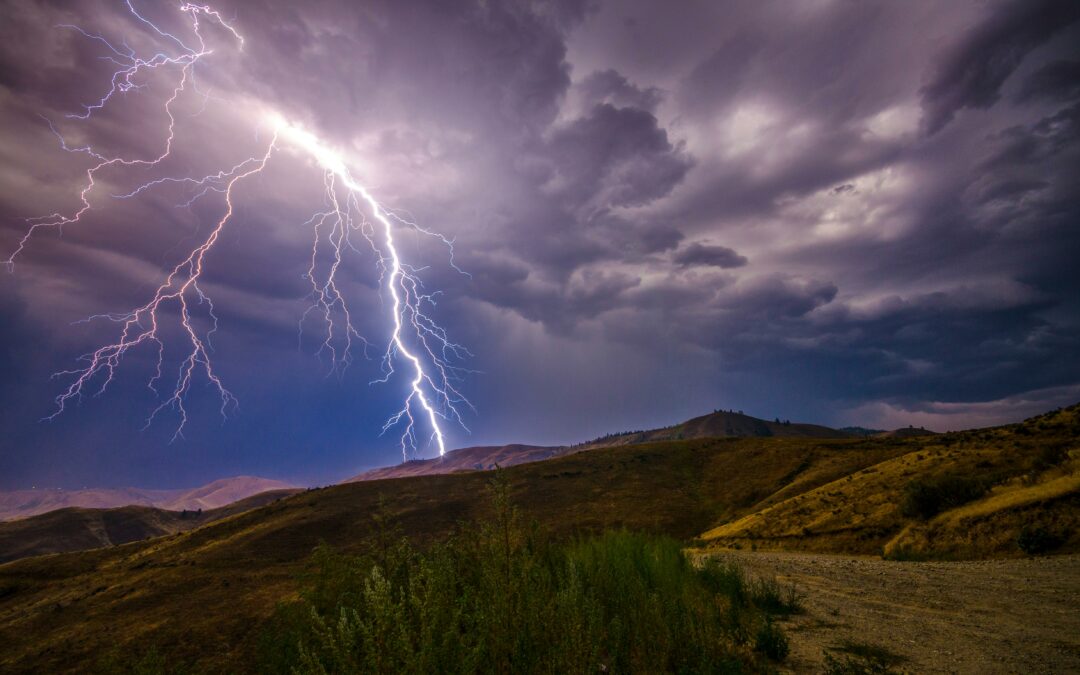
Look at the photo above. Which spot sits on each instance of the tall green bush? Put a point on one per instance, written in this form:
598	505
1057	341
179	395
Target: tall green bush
502	598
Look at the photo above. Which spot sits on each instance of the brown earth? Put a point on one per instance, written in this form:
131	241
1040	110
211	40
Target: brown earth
987	616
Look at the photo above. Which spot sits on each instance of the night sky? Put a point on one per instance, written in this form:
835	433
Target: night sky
840	212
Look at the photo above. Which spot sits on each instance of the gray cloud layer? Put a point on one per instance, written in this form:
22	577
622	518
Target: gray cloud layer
832	211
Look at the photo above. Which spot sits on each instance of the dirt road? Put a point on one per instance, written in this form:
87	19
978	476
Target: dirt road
997	616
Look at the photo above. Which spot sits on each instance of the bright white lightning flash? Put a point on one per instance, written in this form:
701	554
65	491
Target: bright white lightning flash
426	348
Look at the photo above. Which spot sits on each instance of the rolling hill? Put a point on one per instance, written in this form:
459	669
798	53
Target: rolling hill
172	591
59	613
24	503
957	495
719	424
478	458
78	520
75	529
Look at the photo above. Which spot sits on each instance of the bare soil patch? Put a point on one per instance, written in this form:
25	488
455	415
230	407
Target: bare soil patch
991	616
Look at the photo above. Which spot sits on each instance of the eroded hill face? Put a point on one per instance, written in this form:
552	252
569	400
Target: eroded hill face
983	493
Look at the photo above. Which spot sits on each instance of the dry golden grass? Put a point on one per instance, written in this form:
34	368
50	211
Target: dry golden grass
200	597
1031	467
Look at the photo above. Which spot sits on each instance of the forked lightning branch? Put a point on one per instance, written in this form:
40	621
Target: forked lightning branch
349	217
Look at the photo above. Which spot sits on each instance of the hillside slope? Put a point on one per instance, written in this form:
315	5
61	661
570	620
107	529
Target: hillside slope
77	606
958	495
77	529
59	613
719	424
478	458
25	503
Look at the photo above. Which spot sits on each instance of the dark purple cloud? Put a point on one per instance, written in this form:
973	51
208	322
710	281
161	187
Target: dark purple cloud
972	73
838	212
703	254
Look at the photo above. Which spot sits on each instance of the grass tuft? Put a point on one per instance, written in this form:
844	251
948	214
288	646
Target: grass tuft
924	498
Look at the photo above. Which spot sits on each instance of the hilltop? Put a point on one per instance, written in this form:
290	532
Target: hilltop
478	458
718	424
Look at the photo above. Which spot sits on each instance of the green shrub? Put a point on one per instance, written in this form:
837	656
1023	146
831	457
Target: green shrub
1050	455
926	497
771	641
773	598
500	597
1036	540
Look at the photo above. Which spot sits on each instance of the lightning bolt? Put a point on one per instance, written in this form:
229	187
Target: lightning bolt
416	341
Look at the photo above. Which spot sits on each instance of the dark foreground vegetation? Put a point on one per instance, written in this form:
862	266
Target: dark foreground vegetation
498	596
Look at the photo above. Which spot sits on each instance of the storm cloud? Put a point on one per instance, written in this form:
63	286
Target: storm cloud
838	212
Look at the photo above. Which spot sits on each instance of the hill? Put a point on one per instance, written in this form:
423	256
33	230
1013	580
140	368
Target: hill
24	503
719	424
906	432
77	606
59	613
478	458
76	529
980	493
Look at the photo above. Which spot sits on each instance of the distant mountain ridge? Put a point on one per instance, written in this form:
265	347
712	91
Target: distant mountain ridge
719	423
26	503
477	458
75	529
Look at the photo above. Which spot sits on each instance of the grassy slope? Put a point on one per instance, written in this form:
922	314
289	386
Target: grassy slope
199	595
477	458
720	424
1033	468
77	529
